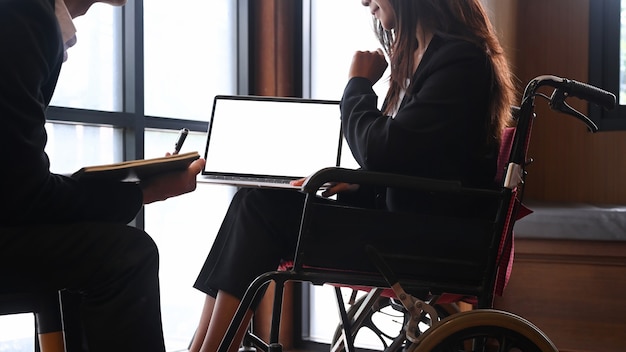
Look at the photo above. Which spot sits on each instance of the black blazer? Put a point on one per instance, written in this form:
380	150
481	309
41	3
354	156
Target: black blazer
439	129
32	47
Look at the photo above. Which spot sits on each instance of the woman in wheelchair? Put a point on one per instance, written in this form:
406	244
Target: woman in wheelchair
450	91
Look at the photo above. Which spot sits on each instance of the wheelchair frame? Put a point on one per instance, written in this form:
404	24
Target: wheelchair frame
482	321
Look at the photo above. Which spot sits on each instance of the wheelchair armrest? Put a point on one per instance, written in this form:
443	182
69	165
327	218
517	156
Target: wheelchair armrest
337	174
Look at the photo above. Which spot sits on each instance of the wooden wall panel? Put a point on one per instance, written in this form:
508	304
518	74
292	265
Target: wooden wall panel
571	165
572	290
503	15
274	48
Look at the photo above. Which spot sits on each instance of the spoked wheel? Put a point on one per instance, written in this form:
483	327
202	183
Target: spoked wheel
486	331
380	327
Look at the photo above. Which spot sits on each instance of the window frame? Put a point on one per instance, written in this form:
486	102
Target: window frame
604	60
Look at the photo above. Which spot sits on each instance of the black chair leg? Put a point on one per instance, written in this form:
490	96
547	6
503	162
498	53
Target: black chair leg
345	322
247	345
36	337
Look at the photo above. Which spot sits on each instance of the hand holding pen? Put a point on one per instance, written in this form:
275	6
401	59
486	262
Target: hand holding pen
181	139
172	184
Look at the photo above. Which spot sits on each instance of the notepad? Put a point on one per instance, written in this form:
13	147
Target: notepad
136	170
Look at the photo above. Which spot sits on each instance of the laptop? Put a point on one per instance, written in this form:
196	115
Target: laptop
255	141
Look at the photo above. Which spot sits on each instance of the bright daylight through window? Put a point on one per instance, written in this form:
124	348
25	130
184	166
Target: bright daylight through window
330	57
622	66
186	63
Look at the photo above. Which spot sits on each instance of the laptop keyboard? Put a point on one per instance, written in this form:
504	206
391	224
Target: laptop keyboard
253	179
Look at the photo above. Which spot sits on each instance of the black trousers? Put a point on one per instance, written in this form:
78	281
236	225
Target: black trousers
111	268
259	230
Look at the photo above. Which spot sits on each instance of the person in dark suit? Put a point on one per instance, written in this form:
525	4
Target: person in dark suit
450	92
57	233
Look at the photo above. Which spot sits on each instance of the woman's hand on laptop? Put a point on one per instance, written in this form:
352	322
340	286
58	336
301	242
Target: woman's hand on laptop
332	189
172	184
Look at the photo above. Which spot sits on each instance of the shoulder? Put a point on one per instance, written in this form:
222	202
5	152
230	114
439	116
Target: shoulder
33	53
29	28
446	52
40	9
446	45
21	17
450	58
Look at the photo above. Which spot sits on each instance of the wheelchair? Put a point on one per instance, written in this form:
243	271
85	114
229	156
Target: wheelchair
469	259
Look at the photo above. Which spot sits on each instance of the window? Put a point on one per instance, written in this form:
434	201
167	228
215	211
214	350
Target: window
188	58
330	52
186	63
136	76
607	59
326	70
183	228
98	89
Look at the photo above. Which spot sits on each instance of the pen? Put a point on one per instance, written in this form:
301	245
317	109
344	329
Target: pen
181	139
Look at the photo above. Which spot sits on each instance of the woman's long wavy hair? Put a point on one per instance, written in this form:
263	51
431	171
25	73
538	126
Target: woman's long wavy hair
464	19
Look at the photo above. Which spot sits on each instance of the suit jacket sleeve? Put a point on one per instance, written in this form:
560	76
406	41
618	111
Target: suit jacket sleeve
29	66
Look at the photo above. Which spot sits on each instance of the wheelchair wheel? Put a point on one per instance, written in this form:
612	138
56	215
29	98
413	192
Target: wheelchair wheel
484	330
382	328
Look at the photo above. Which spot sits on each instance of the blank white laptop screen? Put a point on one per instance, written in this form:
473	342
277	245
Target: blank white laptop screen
269	137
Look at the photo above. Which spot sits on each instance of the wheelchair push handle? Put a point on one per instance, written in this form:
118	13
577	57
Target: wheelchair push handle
588	92
591	93
565	88
578	89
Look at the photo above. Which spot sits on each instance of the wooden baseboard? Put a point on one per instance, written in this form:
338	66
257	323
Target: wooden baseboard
574	291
